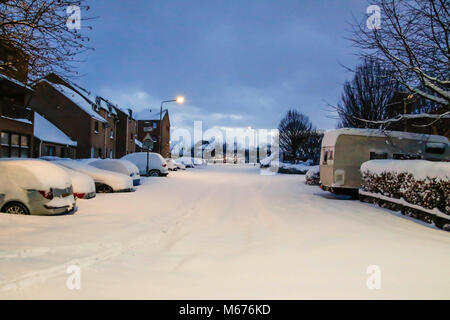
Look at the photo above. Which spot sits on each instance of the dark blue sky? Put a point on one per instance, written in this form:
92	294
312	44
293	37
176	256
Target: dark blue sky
239	63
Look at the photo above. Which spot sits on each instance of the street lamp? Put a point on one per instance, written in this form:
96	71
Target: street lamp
180	100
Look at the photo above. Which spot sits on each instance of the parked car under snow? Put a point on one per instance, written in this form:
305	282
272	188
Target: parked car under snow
119	165
37	187
105	181
157	166
171	164
186	161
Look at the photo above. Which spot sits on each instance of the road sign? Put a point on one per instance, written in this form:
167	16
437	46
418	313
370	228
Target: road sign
147	143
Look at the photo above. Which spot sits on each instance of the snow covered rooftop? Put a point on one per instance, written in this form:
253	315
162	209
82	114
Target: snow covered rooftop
46	131
78	100
331	137
23	120
144	115
2	76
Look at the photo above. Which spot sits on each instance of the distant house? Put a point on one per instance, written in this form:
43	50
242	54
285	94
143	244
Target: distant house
51	141
65	106
16	119
149	128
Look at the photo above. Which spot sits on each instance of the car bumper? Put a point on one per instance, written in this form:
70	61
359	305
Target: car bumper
52	211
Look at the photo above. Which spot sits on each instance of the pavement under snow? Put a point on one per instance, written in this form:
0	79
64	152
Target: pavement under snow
223	232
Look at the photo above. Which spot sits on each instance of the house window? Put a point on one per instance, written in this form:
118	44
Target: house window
111	134
96	127
154	125
378	155
50	151
131	137
99	152
14	145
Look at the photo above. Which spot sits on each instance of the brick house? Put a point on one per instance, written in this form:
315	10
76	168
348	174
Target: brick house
149	127
125	129
16	119
63	104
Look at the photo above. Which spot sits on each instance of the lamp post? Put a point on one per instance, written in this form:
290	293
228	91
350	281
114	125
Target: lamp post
179	100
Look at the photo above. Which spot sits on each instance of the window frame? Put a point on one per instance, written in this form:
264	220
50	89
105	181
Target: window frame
19	147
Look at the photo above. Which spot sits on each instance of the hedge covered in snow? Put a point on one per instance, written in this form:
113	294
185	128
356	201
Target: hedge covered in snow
418	182
313	176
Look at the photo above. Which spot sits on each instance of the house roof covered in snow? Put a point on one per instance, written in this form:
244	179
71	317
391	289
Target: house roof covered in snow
48	132
79	100
144	115
331	137
4	77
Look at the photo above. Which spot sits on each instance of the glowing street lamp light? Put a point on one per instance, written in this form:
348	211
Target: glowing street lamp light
179	100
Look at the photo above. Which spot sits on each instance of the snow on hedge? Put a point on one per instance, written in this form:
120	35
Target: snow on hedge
420	169
420	183
312	177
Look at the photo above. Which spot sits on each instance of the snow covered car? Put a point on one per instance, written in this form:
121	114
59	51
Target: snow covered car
119	165
29	186
105	181
157	166
186	161
82	184
171	164
180	166
199	161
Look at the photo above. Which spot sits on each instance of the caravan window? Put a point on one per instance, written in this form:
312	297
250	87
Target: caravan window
378	155
325	157
435	147
403	156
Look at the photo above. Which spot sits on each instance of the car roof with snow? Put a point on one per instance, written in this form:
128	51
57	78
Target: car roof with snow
34	173
330	137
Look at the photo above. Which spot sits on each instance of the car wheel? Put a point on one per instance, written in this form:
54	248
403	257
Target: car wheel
154	173
15	208
103	188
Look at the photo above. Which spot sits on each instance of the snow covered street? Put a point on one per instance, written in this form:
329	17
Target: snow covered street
223	232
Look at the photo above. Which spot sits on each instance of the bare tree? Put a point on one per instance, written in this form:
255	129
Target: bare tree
413	42
38	31
367	96
294	131
310	150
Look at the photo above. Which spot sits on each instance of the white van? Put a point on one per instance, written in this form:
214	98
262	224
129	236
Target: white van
35	187
157	166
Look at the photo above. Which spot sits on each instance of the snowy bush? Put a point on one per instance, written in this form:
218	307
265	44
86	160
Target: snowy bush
418	182
313	176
